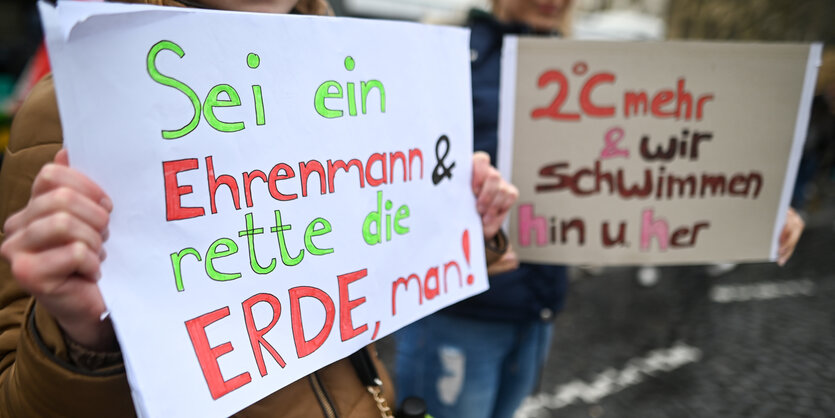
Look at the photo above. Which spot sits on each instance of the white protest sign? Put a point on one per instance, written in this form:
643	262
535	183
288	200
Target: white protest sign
652	153
287	189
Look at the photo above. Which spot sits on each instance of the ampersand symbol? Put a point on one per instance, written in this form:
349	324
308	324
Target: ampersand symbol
441	170
611	149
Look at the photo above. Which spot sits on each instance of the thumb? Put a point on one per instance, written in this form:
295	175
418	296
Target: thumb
62	157
481	166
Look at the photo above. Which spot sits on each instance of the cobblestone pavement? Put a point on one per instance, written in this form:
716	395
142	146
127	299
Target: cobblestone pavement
758	341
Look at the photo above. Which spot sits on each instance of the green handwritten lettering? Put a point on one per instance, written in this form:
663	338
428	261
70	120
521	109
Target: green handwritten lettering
172	82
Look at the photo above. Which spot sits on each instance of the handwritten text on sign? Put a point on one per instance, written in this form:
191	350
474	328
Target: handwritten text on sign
619	162
290	207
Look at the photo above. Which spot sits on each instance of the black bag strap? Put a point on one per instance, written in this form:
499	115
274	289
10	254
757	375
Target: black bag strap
366	371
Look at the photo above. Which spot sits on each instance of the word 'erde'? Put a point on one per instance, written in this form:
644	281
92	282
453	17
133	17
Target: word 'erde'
207	355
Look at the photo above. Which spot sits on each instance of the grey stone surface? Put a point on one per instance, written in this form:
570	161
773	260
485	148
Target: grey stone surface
760	358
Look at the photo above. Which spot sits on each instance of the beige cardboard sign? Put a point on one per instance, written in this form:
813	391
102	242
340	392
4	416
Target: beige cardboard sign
652	153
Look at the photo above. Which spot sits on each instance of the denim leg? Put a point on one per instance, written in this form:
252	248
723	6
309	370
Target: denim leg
412	364
453	363
522	367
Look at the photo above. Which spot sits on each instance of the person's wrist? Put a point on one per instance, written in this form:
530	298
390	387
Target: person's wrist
94	335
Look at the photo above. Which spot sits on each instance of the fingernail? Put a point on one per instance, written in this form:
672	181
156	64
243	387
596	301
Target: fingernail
107	203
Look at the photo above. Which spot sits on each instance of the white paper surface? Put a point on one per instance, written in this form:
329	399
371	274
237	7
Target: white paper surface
114	113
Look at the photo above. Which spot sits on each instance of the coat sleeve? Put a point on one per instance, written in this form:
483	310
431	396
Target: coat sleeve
37	377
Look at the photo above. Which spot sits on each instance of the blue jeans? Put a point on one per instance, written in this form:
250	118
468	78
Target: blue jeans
467	368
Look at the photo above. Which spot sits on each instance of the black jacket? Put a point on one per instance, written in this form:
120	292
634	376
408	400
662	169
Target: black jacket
533	291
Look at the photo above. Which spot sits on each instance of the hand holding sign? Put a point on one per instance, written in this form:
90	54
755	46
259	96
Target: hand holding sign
55	248
790	235
494	195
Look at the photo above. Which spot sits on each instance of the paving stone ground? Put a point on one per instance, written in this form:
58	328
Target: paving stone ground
772	355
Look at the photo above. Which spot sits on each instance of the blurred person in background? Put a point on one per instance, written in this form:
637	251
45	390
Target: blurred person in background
57	356
816	164
481	357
